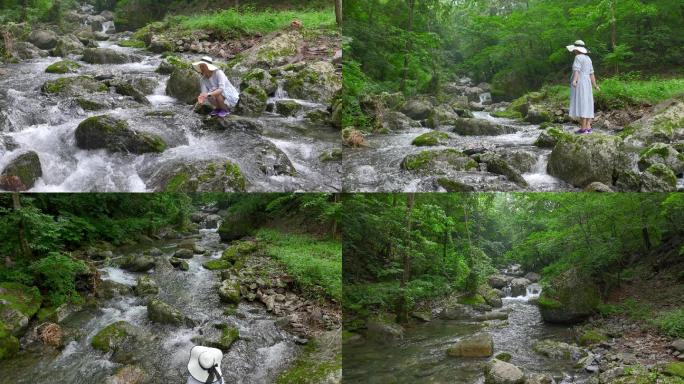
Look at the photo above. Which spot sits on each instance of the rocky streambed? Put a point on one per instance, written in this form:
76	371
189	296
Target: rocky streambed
158	299
87	112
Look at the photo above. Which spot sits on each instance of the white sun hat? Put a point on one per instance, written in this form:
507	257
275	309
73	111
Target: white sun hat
205	60
578	46
205	361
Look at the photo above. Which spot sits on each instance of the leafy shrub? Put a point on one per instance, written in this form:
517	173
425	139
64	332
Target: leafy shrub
671	323
57	274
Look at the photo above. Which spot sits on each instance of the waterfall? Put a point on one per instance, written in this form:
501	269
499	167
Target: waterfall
107	25
485	98
280	93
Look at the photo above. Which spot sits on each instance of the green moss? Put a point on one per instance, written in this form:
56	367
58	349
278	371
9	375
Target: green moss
423	159
63	84
89	105
63	66
109	336
235	177
503	356
177	183
655	150
9	345
661	171
231	310
453	185
475	299
310	368
506	114
430	139
131	43
675	369
214	265
228	335
332	155
26	300
160	114
257	92
549	303
591	337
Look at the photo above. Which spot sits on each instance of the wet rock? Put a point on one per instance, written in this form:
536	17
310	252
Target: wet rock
187	244
501	372
665	124
569	298
21	173
109	289
160	44
221	336
540	378
116	336
199	176
417	109
424	316
73	86
533	277
660	153
438	162
519	286
146	286
498	281
43	39
26	51
106	132
129	374
431	139
597	187
138	263
491	297
478	345
184	253
287	107
537	114
275	50
479	127
236	123
164	313
107	15
229	291
658	178
252	102
236	227
457	312
440	116
64	66
259	78
108	56
217	265
522	161
559	350
549	138
317	81
179	263
127	88
18	304
496	164
67	45
383	330
212	221
678	345
583	159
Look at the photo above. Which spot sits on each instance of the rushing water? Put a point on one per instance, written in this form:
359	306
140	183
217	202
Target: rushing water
421	356
46	125
262	352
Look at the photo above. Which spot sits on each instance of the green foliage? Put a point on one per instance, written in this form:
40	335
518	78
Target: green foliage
316	264
671	323
57	275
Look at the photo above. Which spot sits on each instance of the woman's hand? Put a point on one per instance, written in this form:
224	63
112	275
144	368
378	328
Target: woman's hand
597	87
574	83
202	98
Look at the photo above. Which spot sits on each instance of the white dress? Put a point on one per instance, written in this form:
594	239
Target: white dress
582	97
218	80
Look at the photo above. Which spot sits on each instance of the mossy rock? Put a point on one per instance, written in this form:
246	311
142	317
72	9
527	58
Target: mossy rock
591	337
550	137
252	102
112	336
89	105
108	56
503	356
313	370
131	43
496	164
206	177
18	304
259	78
146	286
431	139
479	127
184	85
235	227
22	172
229	335
475	299
675	369
664	176
106	132
288	107
331	155
569	298
239	250
9	344
179	264
438	162
317	81
663	154
73	86
454	185
64	66
163	313
229	291
216	265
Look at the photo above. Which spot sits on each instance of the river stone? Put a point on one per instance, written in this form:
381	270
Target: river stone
108	56
64	66
597	187
457	312
417	109
478	345
501	372
212	221
569	298
658	178
109	289
43	39
665	124
179	263
533	277
522	161
496	164
549	138
164	313
21	173
480	127
431	139
287	108
383	330
199	176
438	162
318	82
73	86
498	281
184	253
220	336
519	287
235	122
678	345
9	344
184	85
68	44
583	159
138	263
490	296
660	153
442	115
275	50
129	374
25	51
146	286
229	291
115	336
18	304
259	78
127	88
107	132
252	102
537	114
540	378
559	350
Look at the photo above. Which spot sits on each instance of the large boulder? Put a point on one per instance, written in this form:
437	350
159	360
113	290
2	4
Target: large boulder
259	78
275	50
220	336
658	178
431	139
43	39
21	173
68	44
24	50
108	56
63	66
417	109
438	162
199	176
478	345
73	86
383	330
496	164
665	124
317	81
184	85
458	312
519	286
229	291
569	297
559	350
138	263
234	228
123	340
660	153
253	101
18	304
498	281
106	132
501	372
164	313
480	127
146	286
583	159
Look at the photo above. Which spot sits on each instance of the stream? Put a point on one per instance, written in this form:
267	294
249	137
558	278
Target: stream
258	356
421	356
31	120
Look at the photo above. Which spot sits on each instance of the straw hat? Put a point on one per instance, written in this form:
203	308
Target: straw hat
203	360
578	46
205	60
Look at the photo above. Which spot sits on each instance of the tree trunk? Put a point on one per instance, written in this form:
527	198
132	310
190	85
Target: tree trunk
23	243
409	45
402	305
613	32
338	12
24	9
336	199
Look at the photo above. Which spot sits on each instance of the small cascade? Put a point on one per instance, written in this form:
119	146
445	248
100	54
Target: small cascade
485	98
107	26
532	292
280	93
159	97
538	178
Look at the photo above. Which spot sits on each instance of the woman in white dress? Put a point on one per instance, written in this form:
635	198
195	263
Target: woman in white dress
581	96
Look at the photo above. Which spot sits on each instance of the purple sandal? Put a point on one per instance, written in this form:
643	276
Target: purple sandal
222	113
215	112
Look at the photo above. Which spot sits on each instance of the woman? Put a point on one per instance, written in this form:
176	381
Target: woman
204	366
581	96
216	88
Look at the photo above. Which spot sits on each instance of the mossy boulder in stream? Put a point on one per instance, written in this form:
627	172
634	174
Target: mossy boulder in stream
275	50
179	264
559	350
438	162
222	337
106	132
43	39
216	265
383	329
9	344
238	250
114	336
68	44
317	81
569	298
146	286
431	139
478	345
658	178
549	138
64	66
496	164
665	124
73	86
259	78
203	176
501	372
18	304
229	291
480	127
583	159
108	56
287	107
660	153
252	102
21	173
138	263
184	85
164	313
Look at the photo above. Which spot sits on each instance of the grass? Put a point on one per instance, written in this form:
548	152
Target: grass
246	21
671	323
316	264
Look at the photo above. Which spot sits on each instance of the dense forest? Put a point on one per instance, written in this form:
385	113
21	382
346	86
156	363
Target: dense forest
417	258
